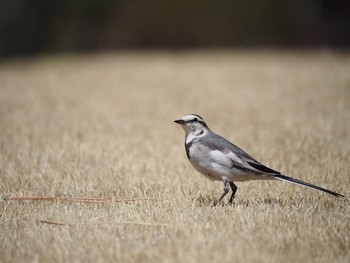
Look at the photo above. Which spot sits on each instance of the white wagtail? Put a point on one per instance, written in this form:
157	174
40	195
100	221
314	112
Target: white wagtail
218	159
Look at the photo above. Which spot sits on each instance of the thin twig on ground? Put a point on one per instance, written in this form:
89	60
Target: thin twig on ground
74	199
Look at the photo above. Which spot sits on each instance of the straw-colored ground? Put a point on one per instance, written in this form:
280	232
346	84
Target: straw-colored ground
102	126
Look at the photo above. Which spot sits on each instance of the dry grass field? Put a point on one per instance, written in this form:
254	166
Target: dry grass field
101	126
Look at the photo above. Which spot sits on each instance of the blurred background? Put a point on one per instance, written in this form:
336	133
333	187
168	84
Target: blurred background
46	27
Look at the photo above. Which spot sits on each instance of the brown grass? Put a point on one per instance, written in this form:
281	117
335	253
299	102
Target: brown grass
101	126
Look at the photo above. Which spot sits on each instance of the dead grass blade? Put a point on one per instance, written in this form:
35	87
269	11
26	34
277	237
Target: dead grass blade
52	223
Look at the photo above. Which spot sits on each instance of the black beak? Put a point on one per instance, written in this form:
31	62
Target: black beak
179	121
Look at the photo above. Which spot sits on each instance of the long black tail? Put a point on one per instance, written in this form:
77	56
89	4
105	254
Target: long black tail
296	181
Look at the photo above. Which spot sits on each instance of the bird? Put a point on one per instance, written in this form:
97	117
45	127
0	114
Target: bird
218	159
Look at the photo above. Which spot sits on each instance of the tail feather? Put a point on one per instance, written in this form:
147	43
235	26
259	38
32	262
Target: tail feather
296	181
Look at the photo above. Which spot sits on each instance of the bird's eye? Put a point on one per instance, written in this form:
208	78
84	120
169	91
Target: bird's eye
195	119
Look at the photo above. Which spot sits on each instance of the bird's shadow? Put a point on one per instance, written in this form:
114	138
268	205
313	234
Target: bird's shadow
259	201
277	201
207	200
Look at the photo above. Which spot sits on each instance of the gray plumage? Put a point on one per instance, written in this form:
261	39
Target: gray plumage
215	142
218	159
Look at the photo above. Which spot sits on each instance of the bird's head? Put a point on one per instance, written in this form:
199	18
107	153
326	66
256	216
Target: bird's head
192	123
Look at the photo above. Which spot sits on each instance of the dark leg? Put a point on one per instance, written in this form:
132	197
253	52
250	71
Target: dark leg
234	189
226	189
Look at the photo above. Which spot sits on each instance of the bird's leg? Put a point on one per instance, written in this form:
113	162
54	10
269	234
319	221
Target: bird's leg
234	189
226	189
